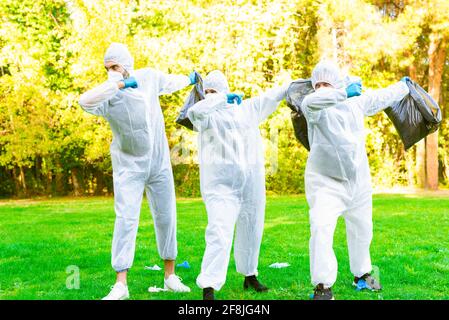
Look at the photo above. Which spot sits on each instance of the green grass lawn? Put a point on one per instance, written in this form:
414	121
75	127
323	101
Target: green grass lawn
40	239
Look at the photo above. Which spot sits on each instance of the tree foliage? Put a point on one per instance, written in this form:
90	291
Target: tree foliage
51	51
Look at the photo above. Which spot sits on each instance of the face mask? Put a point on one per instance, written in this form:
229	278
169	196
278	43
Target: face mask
115	76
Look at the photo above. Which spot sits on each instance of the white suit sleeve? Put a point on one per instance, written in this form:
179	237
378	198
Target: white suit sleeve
169	83
265	104
95	101
377	100
323	99
200	110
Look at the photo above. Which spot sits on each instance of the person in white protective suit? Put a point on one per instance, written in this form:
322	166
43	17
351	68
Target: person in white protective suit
129	101
232	179
337	175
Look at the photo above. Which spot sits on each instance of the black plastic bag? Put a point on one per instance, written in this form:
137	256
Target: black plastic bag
195	95
295	94
416	116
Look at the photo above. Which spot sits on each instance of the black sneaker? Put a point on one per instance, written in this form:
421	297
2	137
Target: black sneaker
321	293
251	281
208	294
366	282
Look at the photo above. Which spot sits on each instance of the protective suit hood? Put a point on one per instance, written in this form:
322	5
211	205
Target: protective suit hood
216	80
119	53
328	72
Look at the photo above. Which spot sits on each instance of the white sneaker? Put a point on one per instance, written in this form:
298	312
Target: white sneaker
173	283
118	292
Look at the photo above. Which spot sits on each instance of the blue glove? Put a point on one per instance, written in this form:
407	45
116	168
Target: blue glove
192	77
130	83
186	265
354	89
405	79
234	97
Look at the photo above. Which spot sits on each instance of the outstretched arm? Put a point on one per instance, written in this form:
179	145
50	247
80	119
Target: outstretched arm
169	83
265	104
95	100
200	110
377	100
322	99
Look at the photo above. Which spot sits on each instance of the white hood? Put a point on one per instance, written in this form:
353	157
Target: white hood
119	53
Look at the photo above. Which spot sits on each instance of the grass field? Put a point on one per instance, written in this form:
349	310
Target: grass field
40	239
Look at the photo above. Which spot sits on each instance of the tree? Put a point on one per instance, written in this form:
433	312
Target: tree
51	51
434	27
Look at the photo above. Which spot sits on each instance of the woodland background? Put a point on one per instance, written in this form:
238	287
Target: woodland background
52	51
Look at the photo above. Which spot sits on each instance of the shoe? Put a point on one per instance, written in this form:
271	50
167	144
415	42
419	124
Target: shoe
173	283
251	281
208	294
366	282
119	291
321	293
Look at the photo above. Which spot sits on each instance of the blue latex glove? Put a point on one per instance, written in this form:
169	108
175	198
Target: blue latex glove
362	285
192	77
405	79
354	89
185	264
130	83
234	97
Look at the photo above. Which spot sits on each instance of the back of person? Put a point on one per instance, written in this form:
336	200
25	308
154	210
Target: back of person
129	101
229	142
128	114
337	177
232	179
336	134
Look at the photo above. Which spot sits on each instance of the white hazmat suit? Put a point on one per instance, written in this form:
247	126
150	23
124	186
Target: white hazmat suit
232	177
139	152
337	176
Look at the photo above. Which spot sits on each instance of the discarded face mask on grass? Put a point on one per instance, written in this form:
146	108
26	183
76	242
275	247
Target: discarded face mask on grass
279	265
154	268
156	289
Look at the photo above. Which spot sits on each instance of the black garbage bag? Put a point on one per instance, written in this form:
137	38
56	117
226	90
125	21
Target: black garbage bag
195	95
416	116
295	94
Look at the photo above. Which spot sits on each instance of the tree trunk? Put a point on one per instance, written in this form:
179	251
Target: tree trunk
437	56
22	181
16	182
49	186
421	163
99	185
77	187
432	161
39	183
59	179
420	167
